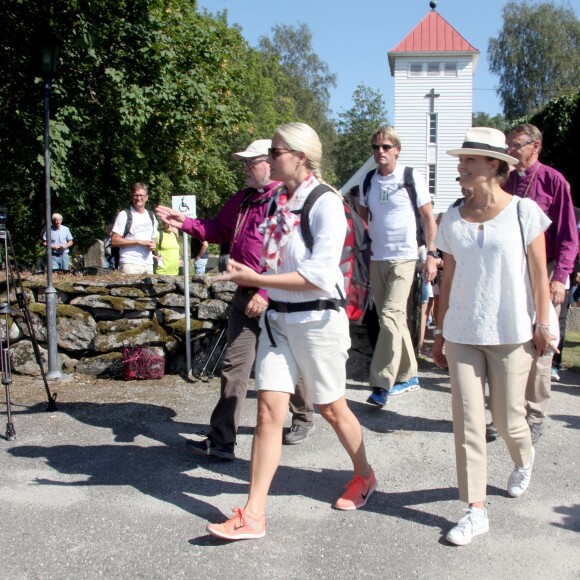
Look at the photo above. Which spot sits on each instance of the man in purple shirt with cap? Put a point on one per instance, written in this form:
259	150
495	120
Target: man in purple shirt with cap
550	190
237	224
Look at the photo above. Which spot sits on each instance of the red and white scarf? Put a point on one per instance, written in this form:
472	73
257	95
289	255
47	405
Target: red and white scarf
277	230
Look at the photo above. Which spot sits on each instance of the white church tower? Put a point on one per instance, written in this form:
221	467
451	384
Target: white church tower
433	68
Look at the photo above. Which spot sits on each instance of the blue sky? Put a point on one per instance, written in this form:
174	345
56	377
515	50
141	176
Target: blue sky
353	38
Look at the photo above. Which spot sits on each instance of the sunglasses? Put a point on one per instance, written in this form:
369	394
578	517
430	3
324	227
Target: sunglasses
383	146
275	152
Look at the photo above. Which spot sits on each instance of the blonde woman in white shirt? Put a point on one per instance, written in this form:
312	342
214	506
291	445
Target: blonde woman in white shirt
487	307
305	332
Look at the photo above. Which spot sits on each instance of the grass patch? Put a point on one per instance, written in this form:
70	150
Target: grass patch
571	353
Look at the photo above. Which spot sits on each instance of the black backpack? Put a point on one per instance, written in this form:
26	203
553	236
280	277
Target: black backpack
409	185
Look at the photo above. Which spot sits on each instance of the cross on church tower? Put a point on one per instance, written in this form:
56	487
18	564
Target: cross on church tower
432	95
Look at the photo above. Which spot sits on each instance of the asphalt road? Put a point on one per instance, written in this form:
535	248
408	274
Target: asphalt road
104	488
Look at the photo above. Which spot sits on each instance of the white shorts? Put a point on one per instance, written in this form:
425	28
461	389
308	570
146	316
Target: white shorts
130	268
316	351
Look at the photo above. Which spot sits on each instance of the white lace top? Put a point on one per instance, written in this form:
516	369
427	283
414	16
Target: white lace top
491	301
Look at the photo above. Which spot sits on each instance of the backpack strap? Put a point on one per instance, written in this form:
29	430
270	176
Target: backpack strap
409	184
129	223
312	198
366	189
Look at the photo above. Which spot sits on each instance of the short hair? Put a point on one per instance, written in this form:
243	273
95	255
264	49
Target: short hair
56	216
140	185
527	129
304	139
386	132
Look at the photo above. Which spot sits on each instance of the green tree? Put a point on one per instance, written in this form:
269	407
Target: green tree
145	91
536	55
306	84
481	119
559	122
354	128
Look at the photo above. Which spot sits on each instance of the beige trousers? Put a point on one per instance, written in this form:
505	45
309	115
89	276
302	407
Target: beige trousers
506	369
394	357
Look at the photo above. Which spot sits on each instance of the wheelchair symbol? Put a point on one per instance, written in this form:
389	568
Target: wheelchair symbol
183	207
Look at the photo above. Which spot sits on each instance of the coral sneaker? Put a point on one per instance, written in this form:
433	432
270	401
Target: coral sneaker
240	527
358	491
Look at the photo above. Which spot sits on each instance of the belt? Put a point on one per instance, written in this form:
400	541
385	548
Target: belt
289	307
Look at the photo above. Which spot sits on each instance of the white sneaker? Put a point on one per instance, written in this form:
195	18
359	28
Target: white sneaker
520	478
473	523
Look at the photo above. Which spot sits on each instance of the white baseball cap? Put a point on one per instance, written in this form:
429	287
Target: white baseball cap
256	149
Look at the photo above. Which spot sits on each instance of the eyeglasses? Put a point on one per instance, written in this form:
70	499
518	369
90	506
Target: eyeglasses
275	152
383	146
517	146
253	162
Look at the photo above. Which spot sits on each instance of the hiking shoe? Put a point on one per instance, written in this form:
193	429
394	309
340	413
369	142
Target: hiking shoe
240	527
410	385
298	434
358	491
520	478
207	447
378	397
536	430
472	524
555	374
491	432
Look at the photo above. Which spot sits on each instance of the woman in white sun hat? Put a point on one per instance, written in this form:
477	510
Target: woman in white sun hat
494	287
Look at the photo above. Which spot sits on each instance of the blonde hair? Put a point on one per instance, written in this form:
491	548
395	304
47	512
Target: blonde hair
386	132
304	139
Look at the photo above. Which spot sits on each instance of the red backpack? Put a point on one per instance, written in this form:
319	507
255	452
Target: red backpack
355	258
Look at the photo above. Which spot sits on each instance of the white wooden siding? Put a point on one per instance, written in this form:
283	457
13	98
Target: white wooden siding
454	109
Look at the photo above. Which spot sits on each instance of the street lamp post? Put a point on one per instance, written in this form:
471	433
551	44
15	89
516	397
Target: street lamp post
49	60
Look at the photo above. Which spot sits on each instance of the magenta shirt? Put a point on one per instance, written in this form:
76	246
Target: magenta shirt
550	190
238	226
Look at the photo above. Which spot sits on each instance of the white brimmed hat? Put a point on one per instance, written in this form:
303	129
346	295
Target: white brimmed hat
256	149
484	141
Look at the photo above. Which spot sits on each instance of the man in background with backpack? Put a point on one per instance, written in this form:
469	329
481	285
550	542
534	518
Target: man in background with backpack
135	234
394	201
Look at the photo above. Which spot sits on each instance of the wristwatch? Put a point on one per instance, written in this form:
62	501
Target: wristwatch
437	332
433	254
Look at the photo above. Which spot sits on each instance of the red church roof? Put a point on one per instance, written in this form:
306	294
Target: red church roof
434	34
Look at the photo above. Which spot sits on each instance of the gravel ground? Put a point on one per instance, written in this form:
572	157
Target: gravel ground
104	488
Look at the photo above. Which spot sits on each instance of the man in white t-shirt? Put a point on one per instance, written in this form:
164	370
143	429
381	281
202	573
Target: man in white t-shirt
389	211
137	244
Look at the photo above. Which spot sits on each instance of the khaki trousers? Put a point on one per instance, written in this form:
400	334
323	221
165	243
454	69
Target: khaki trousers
506	369
394	357
539	387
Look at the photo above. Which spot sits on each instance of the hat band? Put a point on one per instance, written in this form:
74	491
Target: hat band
484	146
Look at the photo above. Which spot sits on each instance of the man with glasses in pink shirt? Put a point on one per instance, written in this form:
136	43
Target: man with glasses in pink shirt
237	223
550	190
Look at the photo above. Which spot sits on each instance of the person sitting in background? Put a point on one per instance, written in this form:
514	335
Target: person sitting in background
166	255
60	241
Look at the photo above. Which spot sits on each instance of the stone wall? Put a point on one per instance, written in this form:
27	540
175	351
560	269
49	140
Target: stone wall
98	315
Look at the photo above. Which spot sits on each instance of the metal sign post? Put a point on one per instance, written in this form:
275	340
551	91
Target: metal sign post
186	204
